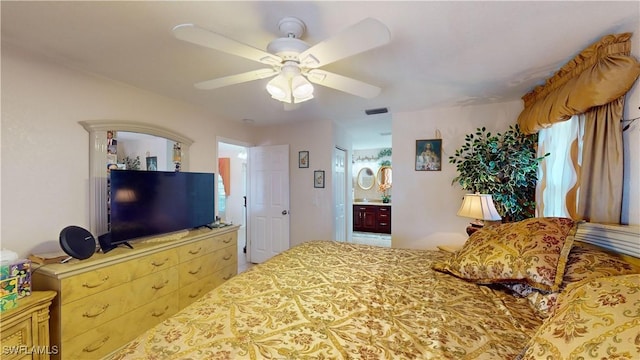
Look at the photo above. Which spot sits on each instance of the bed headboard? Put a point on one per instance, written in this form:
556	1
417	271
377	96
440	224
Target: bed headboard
622	239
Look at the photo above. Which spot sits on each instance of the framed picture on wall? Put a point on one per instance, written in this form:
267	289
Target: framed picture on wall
318	179
303	159
152	163
429	155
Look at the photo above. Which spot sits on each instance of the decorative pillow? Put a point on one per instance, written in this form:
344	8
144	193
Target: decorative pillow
585	262
532	251
595	319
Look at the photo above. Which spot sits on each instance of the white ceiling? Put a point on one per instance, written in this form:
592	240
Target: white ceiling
441	53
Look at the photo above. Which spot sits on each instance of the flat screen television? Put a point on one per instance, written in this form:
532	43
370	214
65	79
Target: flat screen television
146	203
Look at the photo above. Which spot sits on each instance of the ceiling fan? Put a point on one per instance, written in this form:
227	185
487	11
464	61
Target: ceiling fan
294	63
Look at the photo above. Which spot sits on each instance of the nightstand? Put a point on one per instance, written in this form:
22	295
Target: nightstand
24	331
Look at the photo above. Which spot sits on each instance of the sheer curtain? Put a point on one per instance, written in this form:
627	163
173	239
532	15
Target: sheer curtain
558	174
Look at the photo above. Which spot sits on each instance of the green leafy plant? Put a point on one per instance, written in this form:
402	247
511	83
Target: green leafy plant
386	152
503	165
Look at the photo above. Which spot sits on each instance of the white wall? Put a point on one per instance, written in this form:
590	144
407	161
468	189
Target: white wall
424	202
45	161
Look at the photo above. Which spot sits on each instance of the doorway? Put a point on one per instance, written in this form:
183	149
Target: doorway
231	192
340	193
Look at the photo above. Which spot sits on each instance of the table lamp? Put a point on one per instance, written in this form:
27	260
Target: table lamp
479	207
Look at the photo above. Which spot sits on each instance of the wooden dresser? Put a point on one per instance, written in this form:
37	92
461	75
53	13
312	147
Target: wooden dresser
107	300
24	331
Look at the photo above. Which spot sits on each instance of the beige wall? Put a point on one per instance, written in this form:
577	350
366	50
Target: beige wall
311	209
45	163
424	202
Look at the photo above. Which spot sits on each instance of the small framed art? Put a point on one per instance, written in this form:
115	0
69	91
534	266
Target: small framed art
318	179
303	159
152	163
429	155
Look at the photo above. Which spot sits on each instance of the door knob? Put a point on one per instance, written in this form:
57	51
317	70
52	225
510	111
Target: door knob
284	212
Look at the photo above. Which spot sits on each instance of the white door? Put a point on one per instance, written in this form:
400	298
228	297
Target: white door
268	201
340	194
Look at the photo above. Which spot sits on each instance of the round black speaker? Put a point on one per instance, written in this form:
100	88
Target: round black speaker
77	242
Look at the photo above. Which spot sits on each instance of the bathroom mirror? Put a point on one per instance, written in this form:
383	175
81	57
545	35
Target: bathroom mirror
366	178
384	176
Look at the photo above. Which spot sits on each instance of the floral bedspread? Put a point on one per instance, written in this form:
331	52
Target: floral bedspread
330	300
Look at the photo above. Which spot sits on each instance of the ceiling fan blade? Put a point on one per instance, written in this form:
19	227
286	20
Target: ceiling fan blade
235	79
365	35
343	83
199	36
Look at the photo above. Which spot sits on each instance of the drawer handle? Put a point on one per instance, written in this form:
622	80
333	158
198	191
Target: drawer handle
154	263
227	240
158	287
383	224
91	286
96	346
103	309
227	257
193	272
155	314
196	294
193	252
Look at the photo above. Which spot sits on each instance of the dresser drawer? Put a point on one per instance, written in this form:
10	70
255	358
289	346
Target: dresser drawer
224	240
203	266
195	249
92	311
92	282
194	291
15	336
225	257
196	269
102	340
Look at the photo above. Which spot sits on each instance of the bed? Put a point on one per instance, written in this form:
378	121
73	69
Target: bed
331	300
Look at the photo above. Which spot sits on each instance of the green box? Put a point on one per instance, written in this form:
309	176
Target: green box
9	301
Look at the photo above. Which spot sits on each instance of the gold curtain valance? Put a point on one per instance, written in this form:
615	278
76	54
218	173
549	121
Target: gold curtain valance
600	74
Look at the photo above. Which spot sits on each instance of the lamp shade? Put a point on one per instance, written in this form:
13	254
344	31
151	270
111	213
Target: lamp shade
278	87
301	87
479	206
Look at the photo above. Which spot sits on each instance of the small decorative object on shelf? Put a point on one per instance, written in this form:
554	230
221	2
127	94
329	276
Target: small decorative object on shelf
131	163
177	155
384	189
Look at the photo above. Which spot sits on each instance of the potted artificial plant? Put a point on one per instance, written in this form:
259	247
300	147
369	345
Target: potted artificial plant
503	165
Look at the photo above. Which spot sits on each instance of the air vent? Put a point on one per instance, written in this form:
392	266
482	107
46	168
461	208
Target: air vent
383	110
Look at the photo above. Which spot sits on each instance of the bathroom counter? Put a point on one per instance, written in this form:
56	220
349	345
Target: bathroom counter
376	203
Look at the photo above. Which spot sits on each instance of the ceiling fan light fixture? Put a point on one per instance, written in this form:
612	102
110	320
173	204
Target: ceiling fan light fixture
278	87
297	100
301	87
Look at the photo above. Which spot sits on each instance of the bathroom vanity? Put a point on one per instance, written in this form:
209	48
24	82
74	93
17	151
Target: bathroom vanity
372	217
